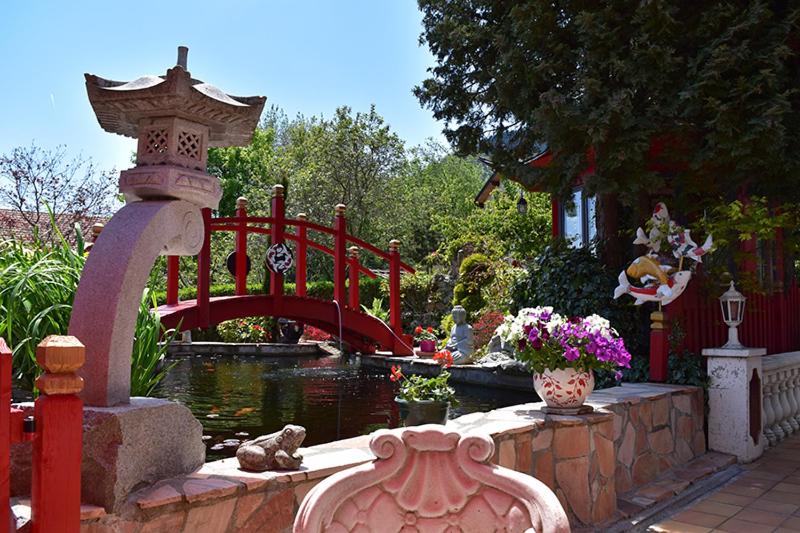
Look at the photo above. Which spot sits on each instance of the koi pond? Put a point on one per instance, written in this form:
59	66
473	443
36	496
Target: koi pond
241	397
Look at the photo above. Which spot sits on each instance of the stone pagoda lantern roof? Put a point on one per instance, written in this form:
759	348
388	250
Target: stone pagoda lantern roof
175	118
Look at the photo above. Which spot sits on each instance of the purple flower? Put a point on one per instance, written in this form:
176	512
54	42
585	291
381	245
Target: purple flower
536	343
572	353
618	375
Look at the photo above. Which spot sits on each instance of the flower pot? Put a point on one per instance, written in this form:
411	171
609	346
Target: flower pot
563	388
422	412
427	346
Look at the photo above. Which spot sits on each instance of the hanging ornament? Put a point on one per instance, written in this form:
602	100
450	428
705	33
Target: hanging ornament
279	258
230	263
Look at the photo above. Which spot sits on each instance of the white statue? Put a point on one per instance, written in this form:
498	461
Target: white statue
460	344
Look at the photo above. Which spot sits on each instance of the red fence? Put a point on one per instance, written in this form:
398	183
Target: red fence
55	431
345	253
771	321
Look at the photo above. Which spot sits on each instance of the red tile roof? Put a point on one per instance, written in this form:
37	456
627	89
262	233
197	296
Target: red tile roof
13	224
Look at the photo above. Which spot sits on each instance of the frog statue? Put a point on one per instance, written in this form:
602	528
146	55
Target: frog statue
460	343
276	451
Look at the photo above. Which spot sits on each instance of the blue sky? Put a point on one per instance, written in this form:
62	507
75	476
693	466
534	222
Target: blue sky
305	56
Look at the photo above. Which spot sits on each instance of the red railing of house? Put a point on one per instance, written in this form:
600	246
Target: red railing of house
276	226
55	431
771	321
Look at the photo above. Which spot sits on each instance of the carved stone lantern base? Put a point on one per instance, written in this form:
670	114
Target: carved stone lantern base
168	181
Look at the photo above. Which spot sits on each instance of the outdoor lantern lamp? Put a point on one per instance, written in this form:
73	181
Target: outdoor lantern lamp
732	303
522	204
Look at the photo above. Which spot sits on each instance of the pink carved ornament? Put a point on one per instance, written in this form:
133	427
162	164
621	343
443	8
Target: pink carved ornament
428	479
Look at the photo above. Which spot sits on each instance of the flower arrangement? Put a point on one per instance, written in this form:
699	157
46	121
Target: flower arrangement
415	388
547	340
424	334
310	333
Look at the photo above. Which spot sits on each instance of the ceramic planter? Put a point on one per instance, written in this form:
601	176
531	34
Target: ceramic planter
427	346
423	412
564	388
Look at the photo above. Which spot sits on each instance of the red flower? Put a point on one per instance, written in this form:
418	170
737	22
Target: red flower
257	327
444	358
430	329
397	374
418	330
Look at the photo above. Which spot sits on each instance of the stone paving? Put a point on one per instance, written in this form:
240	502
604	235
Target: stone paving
764	498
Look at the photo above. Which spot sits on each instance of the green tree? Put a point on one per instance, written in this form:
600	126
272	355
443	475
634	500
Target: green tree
706	89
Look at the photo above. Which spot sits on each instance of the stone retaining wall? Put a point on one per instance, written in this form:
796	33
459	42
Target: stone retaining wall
637	432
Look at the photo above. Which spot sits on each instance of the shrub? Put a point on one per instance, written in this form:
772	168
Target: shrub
150	344
475	273
483	329
250	329
310	333
575	283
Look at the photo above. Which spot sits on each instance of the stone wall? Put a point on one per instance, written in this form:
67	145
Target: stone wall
637	432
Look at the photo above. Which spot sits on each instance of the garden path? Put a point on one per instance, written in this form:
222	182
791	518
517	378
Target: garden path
764	498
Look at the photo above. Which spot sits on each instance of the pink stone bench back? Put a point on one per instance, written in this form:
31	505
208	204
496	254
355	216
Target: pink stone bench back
430	479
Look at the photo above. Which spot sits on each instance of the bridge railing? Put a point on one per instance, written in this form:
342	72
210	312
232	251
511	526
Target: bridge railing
55	431
346	252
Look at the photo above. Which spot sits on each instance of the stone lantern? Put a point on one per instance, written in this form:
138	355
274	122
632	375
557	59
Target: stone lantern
175	119
732	303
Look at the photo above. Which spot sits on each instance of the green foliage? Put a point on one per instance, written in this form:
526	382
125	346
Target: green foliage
499	230
447	324
150	344
475	273
575	283
414	388
732	223
713	83
37	285
377	310
249	329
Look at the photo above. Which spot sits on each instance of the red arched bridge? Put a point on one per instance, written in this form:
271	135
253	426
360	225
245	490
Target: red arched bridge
362	331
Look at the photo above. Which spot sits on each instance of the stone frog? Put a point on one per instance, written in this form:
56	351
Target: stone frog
276	451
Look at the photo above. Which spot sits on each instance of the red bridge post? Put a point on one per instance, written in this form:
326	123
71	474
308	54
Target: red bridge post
173	267
300	260
241	247
56	475
394	287
340	255
278	209
204	273
354	266
5	433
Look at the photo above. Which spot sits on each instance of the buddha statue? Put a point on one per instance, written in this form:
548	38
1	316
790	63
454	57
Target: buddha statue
460	343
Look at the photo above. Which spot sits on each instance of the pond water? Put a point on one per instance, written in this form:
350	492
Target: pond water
331	398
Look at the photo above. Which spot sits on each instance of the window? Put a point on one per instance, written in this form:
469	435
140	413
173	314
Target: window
578	225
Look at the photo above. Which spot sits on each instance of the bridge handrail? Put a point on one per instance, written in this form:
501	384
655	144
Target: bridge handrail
227	224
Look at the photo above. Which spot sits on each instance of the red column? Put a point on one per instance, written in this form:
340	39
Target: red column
278	208
56	474
5	432
659	345
555	216
300	260
173	267
394	287
204	273
340	255
354	266
241	247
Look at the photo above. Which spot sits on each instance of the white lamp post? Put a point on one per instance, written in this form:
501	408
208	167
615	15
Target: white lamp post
732	303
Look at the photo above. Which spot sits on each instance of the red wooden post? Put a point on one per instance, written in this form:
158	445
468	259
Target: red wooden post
204	273
300	260
56	476
659	345
394	287
173	266
5	433
278	208
340	255
354	266
241	247
555	217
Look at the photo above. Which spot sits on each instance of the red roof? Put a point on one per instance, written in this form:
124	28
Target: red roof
16	225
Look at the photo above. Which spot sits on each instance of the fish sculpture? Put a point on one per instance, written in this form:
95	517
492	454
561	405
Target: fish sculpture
662	283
